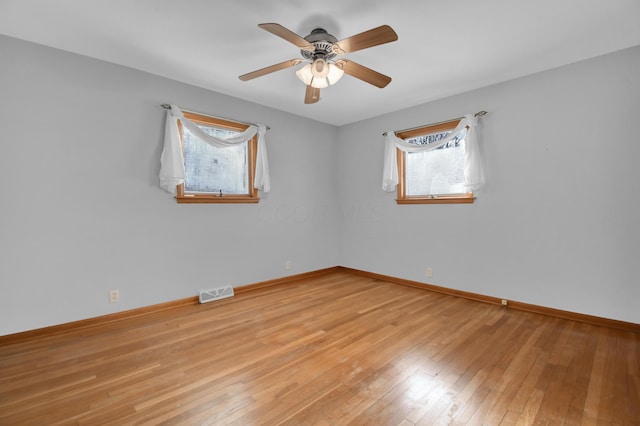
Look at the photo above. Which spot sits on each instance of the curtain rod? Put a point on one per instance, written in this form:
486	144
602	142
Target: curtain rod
168	106
477	114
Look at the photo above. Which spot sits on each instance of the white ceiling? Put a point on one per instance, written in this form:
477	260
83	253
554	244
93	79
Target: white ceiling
444	47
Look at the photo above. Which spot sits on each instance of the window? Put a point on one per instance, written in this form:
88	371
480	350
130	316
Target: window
217	175
435	176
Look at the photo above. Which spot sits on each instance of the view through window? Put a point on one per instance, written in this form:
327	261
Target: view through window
217	175
436	172
209	169
437	175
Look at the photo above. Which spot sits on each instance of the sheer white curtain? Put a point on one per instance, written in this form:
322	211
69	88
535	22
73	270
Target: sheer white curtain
172	159
473	168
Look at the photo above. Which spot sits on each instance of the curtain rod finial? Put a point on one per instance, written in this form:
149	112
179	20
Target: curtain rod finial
166	106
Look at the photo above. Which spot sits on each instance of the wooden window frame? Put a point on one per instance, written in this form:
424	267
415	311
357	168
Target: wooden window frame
183	197
403	198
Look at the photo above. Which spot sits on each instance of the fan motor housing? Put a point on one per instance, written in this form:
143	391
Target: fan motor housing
323	43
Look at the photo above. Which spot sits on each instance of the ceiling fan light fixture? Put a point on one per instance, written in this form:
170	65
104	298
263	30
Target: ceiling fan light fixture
319	68
335	74
331	76
305	75
319	83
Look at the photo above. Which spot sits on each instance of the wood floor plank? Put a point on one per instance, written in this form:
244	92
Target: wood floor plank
332	349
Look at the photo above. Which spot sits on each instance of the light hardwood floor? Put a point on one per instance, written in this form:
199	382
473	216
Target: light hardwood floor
330	350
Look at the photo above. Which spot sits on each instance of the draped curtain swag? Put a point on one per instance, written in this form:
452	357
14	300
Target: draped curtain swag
473	169
172	159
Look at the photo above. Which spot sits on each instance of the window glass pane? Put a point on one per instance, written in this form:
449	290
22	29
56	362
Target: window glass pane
436	172
211	169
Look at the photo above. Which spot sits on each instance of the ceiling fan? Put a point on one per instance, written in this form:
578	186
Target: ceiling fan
320	49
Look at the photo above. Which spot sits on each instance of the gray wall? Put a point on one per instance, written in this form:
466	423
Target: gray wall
556	225
82	212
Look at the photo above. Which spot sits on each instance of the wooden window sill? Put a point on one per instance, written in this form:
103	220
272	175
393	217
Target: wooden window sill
467	198
215	199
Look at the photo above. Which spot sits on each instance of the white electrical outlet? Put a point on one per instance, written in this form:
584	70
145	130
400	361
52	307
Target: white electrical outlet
287	265
504	302
114	296
429	272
